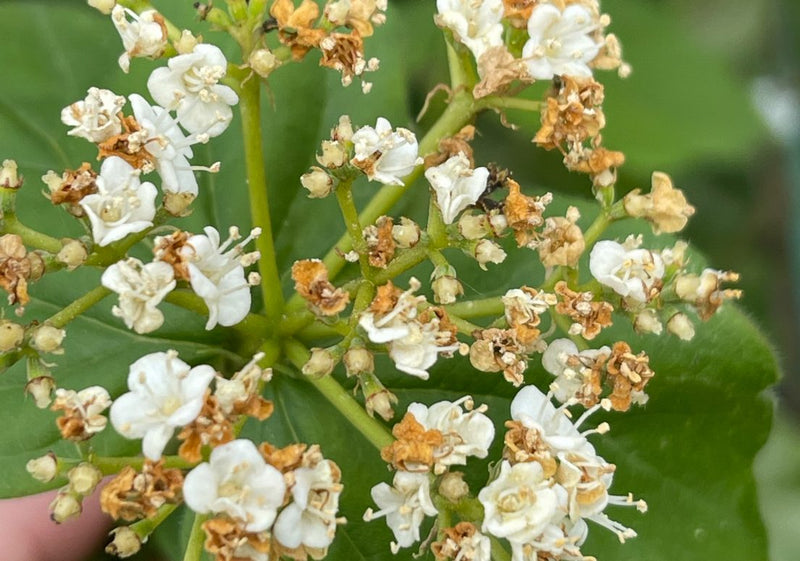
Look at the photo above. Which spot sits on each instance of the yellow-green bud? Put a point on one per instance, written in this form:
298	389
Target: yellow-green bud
358	360
263	62
83	478
177	204
381	402
681	325
406	234
66	505
318	183
333	154
9	178
453	487
41	389
43	469
73	254
186	43
126	542
11	335
103	6
321	363
47	339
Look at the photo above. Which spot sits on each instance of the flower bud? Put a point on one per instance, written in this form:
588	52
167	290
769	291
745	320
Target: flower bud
446	289
358	360
83	478
73	254
681	325
472	226
43	469
263	62
65	506
318	183
321	363
482	357
333	154
406	234
186	43
126	542
103	6
177	204
687	286
453	487
381	402
344	130
9	178
497	222
647	322
11	335
41	389
489	252
47	339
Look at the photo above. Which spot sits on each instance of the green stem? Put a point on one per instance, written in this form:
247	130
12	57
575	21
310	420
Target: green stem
250	108
112	465
596	229
341	399
402	262
147	526
194	547
30	237
344	195
498	102
79	306
477	308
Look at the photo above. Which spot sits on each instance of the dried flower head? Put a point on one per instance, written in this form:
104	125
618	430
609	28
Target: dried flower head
133	495
82	417
311	282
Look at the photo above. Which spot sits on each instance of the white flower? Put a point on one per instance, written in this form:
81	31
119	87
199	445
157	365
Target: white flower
475	23
413	346
238	482
141	288
85	405
520	504
166	393
384	155
190	85
216	273
560	42
568	380
144	36
404	505
96	117
457	186
171	149
465	434
310	519
631	273
122	205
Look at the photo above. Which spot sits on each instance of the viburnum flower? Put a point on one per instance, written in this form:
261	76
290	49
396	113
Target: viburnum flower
456	185
122	205
169	147
310	519
465	434
384	155
568	381
630	272
238	482
166	393
144	36
141	288
405	505
560	41
520	504
190	85
476	24
216	273
95	118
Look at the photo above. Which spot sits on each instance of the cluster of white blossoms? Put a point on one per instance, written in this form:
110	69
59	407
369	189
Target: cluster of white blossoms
429	441
563	38
550	483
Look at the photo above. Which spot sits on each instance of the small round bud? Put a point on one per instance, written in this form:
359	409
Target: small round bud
83	478
9	178
263	62
177	204
344	130
381	402
73	254
453	487
186	43
321	363
41	389
472	226
482	357
647	322
333	154
446	289
43	469
37	265
103	6
358	360
681	325
11	335
489	252
48	339
406	234
65	506
318	183
687	286
126	542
